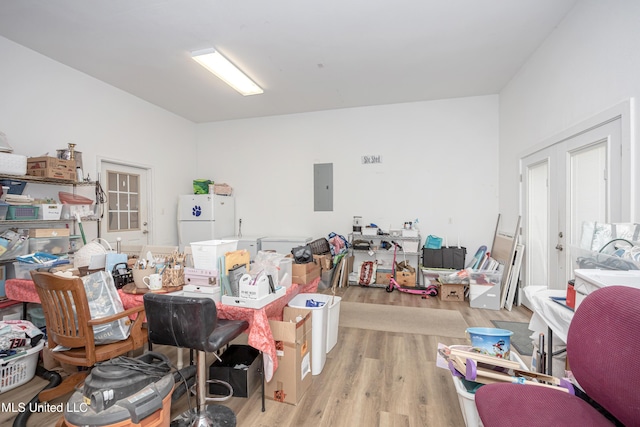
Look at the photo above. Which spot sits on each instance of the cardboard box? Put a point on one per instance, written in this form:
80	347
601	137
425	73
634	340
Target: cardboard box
51	167
325	261
242	380
406	278
293	348
451	292
383	276
303	274
48	232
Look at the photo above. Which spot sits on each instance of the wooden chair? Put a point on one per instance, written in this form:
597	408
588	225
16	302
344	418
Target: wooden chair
69	324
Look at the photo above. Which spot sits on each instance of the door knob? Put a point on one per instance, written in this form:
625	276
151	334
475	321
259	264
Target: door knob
559	247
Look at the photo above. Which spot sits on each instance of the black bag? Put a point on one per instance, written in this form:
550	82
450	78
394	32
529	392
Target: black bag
302	254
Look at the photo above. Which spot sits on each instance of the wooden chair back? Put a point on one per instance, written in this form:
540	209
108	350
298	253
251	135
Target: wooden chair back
66	310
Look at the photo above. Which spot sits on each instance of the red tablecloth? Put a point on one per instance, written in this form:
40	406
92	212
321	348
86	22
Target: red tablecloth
259	330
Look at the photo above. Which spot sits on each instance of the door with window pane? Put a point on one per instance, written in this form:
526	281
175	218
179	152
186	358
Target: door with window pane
574	181
125	214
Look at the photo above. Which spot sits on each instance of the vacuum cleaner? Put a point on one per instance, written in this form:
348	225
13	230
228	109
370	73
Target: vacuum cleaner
122	392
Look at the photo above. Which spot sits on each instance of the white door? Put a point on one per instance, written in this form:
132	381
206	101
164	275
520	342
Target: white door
126	213
575	180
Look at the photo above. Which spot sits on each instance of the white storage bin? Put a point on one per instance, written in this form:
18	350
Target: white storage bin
50	212
319	323
206	253
13	164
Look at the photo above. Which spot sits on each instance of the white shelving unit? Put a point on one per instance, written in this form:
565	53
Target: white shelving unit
410	252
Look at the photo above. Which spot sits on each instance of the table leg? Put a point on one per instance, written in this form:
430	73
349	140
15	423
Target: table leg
549	352
262	378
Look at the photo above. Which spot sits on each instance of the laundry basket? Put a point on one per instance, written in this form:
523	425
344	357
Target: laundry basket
20	369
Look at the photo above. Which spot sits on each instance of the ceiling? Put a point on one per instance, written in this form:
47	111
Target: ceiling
306	55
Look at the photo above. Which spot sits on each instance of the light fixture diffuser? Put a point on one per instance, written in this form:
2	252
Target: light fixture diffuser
213	61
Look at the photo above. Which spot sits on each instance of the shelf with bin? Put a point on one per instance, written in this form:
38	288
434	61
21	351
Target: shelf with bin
410	252
52	218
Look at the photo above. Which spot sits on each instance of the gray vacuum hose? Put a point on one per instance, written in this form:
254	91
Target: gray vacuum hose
54	379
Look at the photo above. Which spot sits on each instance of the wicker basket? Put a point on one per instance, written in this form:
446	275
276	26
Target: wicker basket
320	246
173	277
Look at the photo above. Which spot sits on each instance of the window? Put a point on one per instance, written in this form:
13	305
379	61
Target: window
123	201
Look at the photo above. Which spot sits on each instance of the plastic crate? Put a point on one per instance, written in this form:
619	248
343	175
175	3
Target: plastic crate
18	370
15	187
17	212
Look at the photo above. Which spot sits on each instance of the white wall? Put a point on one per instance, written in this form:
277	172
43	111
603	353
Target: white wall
46	105
589	64
439	165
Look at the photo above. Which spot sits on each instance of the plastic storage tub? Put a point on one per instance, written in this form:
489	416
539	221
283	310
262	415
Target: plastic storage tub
319	322
206	253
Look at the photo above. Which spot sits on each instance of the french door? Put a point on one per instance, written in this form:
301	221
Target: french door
577	179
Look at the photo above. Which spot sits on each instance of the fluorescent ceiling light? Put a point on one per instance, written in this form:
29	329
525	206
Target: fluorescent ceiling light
213	61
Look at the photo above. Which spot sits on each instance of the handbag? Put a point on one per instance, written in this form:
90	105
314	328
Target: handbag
302	254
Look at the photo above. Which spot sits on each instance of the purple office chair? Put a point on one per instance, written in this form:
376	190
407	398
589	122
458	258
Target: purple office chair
603	350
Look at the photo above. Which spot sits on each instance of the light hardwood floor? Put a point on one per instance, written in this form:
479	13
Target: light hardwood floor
370	378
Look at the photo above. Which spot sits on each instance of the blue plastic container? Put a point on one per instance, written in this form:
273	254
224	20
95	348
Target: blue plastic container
491	341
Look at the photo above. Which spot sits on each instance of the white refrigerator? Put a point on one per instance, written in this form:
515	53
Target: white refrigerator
204	217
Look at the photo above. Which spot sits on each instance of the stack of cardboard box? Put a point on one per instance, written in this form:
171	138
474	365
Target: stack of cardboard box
293	347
